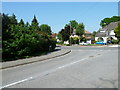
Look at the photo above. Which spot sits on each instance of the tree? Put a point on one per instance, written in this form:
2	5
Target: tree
21	23
80	29
46	29
34	24
13	20
107	21
117	31
21	40
94	33
73	24
59	36
66	32
6	24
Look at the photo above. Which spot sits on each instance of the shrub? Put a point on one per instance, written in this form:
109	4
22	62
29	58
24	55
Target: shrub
71	41
115	41
20	41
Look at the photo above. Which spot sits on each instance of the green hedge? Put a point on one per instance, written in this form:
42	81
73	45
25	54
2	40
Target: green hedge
23	40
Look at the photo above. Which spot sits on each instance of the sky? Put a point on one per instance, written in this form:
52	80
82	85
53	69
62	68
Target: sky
58	14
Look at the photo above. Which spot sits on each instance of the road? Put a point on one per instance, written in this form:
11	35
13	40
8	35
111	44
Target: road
84	67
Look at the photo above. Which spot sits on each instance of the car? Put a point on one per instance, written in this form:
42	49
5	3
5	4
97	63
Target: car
101	43
109	42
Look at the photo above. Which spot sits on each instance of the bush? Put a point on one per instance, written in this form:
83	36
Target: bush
83	39
60	43
115	41
21	41
27	45
76	40
71	41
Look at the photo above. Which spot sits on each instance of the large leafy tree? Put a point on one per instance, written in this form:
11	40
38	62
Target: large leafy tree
73	24
117	31
80	29
66	32
107	21
46	29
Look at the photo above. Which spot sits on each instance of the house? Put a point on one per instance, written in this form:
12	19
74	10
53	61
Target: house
106	33
87	35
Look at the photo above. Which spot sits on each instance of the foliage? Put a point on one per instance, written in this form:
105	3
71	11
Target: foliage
71	41
115	41
94	33
46	29
60	43
34	24
74	40
66	32
117	31
21	22
59	36
73	24
107	21
23	40
83	39
80	29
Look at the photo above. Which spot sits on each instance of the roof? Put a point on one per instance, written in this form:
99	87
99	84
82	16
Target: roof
100	34
108	28
54	35
87	32
111	26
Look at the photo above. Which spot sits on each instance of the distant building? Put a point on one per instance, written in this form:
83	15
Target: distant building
107	33
54	35
87	35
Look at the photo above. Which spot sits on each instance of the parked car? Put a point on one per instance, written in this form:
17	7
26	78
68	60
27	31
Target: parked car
109	42
101	43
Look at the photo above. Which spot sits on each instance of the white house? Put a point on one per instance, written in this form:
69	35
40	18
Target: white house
107	33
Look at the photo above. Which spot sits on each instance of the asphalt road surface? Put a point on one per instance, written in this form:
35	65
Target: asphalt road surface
84	67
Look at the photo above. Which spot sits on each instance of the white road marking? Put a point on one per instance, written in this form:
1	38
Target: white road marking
16	82
71	63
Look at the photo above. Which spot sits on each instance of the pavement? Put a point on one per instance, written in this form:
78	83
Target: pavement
113	45
84	67
19	62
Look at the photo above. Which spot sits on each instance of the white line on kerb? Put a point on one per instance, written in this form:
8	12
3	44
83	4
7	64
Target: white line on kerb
16	82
